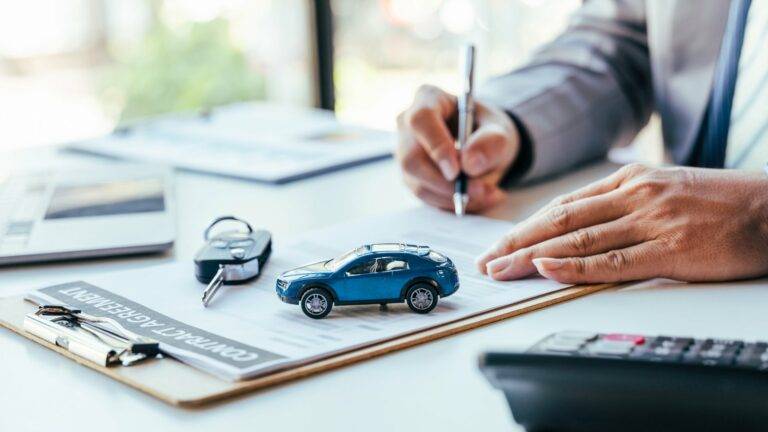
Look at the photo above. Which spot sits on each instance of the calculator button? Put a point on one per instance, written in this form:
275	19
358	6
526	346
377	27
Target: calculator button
709	360
651	355
671	344
620	337
748	361
681	342
710	354
722	344
612	347
562	346
668	352
577	336
757	348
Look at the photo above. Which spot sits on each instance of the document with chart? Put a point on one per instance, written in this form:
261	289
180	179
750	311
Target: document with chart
247	331
251	141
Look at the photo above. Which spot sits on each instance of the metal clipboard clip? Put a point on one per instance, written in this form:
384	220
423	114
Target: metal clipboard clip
97	339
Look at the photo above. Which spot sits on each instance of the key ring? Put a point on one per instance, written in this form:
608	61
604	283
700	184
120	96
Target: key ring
225	218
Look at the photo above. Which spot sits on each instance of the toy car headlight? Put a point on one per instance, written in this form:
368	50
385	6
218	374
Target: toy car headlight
283	284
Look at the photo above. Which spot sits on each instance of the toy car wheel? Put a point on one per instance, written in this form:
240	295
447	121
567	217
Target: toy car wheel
316	303
421	298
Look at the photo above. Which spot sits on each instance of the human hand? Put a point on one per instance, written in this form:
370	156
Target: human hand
429	160
688	224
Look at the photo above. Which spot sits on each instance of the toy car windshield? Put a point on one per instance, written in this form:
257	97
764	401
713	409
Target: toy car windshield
346	257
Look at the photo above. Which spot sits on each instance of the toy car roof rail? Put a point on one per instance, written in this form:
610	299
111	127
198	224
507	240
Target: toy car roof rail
417	249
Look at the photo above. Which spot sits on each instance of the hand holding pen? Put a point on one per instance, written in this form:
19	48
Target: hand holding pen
431	163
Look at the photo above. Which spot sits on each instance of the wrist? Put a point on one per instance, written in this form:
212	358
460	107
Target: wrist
522	162
760	206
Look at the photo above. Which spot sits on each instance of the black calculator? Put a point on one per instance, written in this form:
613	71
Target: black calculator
584	381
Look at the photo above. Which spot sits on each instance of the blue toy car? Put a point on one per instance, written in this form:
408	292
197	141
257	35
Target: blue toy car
371	274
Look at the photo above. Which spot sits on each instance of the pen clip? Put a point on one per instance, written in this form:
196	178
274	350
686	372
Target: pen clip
466	103
468	68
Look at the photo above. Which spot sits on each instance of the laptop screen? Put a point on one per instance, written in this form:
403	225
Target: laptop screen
107	198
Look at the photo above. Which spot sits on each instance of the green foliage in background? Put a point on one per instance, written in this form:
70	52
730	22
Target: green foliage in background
181	69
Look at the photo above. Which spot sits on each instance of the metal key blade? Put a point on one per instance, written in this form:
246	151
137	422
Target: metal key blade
213	286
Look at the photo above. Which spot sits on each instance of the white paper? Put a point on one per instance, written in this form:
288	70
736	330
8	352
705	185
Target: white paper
253	314
252	141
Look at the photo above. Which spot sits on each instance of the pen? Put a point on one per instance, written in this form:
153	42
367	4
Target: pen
466	106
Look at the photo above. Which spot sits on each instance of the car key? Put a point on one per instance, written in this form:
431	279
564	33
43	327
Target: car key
231	257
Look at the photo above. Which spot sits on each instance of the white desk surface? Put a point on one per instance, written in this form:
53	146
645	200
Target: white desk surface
435	386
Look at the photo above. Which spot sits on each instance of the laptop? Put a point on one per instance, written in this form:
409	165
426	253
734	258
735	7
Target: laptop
91	211
251	141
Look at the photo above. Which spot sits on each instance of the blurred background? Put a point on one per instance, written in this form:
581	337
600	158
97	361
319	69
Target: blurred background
71	69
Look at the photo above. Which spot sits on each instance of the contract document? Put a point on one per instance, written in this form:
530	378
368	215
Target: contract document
247	331
251	141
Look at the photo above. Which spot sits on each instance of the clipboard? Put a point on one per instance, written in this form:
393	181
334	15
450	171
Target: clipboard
181	385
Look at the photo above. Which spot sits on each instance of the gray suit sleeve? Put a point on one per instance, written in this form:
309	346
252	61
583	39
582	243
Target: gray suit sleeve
587	90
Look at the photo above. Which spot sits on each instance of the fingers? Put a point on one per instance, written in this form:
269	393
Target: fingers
431	162
426	182
482	195
617	234
608	184
643	261
556	221
429	158
430	197
426	121
493	146
429	186
420	172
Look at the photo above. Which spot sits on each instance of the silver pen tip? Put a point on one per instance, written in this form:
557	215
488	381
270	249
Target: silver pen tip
460	203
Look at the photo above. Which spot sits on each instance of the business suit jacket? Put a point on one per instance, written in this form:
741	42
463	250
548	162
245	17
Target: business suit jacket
597	84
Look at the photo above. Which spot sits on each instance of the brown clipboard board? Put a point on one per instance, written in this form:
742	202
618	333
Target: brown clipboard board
180	385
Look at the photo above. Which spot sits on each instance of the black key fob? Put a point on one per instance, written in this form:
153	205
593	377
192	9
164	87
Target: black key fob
239	253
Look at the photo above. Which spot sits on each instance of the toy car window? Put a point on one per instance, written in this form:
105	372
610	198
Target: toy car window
392	264
364	268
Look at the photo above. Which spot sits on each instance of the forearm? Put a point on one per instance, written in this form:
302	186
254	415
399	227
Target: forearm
584	92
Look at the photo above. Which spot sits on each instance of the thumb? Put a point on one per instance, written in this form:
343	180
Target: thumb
493	146
490	148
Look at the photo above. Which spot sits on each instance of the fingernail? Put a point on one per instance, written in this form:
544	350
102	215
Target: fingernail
548	264
482	260
480	264
497	265
477	162
447	168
